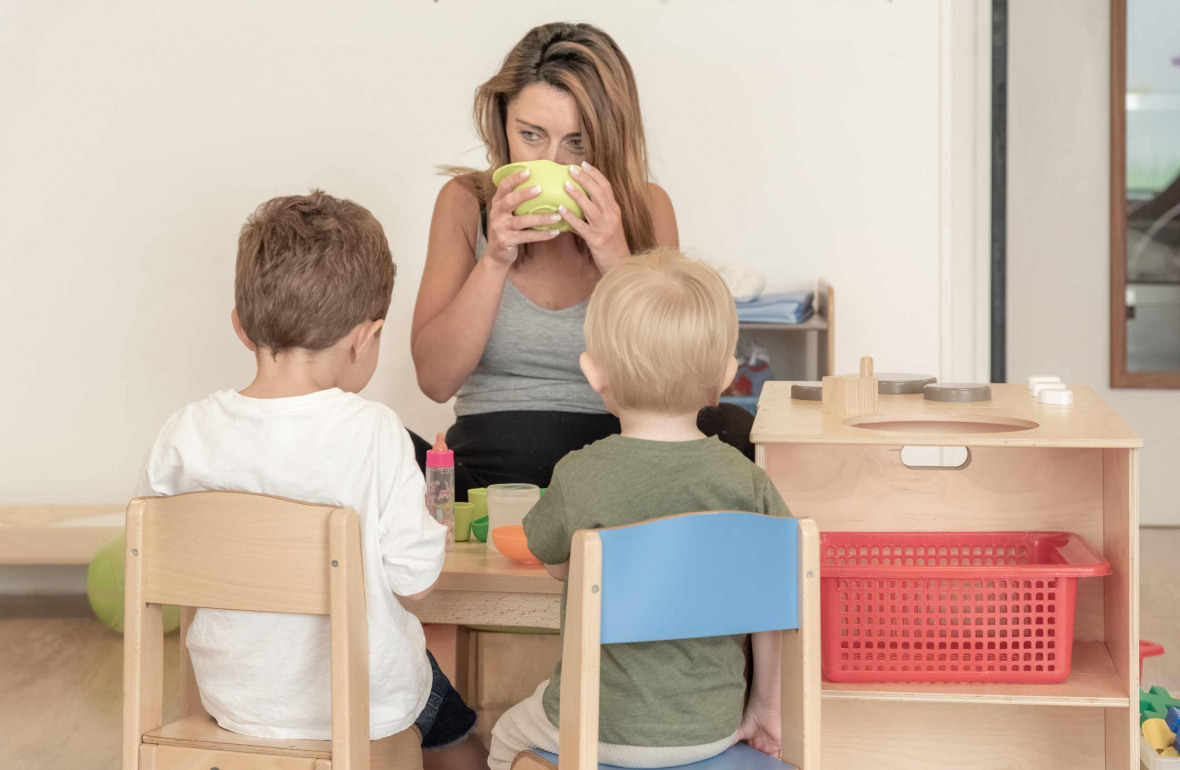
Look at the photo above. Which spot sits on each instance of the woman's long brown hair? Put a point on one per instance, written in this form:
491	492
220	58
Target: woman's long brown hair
585	62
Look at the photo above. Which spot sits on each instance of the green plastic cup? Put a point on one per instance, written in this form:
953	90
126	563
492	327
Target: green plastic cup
463	517
479	498
479	528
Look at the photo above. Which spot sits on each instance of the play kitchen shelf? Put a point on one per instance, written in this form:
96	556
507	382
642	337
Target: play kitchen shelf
1031	468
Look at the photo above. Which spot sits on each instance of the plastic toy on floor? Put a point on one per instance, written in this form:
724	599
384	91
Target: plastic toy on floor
1159	723
1154	704
1161	733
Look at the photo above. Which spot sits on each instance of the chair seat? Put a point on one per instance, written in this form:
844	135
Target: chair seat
202	732
736	757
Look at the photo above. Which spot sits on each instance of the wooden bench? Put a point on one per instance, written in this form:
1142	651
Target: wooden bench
57	534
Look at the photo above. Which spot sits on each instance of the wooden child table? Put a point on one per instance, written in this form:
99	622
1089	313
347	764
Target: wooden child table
1031	467
479	587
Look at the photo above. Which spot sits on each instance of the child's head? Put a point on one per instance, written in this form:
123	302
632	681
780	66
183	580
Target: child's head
314	278
661	331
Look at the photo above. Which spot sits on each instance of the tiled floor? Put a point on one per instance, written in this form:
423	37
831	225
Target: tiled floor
60	677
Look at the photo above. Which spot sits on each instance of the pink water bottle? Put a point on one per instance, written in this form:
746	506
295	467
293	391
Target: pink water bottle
440	487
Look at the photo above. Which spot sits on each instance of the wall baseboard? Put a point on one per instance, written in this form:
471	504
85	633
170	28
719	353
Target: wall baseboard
71	605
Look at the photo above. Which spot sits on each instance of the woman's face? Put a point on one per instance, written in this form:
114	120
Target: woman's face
543	123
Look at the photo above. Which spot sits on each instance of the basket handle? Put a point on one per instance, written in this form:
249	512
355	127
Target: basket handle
1081	559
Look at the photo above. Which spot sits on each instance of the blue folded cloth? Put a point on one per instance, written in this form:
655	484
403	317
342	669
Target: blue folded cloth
792	307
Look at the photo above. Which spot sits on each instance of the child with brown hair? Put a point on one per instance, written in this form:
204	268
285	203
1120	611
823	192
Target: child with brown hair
660	332
313	286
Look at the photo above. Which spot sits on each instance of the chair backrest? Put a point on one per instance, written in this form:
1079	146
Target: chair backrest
686	576
243	551
236	551
689	576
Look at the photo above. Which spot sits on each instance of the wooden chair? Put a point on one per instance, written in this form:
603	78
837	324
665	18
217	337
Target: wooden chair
684	577
239	551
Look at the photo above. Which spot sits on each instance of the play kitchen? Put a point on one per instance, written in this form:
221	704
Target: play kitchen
967	607
972	598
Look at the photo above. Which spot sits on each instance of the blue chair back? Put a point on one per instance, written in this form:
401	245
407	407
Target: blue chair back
699	575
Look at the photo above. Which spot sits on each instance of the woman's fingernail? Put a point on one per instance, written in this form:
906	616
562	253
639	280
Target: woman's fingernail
575	170
525	173
585	164
556	217
554	233
569	185
536	189
562	209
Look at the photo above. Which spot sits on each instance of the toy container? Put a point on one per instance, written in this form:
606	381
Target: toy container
951	606
1153	761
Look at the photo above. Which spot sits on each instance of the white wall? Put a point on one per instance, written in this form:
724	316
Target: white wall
802	137
1058	225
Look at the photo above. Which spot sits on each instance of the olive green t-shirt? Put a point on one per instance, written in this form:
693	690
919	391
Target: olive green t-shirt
676	693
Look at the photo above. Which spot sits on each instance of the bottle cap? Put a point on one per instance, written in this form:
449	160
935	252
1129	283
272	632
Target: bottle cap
439	456
1060	396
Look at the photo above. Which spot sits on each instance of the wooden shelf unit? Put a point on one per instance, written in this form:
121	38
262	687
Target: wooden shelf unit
803	351
1092	682
1067	468
817	323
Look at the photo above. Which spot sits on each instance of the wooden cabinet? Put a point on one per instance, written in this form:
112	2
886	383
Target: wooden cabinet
1030	467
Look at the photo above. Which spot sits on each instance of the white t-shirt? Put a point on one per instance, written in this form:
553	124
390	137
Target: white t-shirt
267	674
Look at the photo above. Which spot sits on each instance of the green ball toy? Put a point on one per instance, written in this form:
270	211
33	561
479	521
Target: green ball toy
104	588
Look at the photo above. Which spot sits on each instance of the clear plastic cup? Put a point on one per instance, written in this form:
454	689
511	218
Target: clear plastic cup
508	504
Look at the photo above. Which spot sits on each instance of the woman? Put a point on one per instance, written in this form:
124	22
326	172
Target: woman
498	322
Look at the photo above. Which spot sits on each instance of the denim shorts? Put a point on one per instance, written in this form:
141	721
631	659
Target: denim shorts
446	719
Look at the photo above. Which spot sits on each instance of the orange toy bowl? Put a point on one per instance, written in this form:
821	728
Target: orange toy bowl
512	542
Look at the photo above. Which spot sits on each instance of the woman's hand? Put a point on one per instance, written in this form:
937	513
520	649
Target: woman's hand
506	231
603	228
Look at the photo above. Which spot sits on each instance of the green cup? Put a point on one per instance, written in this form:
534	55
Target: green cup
479	528
463	516
552	178
479	498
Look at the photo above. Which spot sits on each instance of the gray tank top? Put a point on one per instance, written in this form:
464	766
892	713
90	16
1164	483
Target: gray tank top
531	360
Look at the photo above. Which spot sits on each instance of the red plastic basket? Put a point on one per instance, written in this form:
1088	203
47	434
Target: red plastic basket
951	606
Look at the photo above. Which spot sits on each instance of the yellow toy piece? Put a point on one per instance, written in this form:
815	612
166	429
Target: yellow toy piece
1170	752
1158	735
